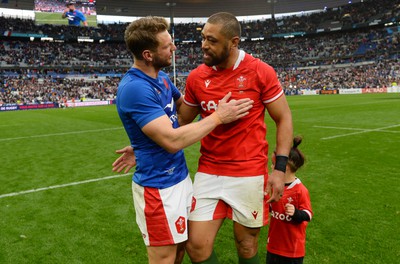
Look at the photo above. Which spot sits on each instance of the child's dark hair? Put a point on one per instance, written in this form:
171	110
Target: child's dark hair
296	157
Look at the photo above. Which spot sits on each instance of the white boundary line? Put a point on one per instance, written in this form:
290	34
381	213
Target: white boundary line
360	131
62	185
60	134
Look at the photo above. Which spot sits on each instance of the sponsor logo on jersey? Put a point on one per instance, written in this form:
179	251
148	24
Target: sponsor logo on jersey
280	216
207	83
208	106
169	110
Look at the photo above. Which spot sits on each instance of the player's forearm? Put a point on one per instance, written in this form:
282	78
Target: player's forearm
187	135
186	114
284	135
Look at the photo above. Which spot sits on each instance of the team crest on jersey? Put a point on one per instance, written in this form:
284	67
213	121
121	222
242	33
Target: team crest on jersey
241	82
165	83
180	225
290	200
193	204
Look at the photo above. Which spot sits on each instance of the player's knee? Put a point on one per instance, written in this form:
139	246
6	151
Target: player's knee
247	247
193	245
198	248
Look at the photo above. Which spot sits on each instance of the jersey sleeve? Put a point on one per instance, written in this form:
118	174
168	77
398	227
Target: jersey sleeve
305	202
81	16
189	97
176	94
271	88
140	104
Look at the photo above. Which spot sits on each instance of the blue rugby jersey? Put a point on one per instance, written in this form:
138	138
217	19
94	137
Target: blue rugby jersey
141	99
75	17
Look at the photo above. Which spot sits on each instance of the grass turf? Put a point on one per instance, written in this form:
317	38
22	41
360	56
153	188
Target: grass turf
351	143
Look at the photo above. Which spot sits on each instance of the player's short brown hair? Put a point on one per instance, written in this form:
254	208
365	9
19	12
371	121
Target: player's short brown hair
141	34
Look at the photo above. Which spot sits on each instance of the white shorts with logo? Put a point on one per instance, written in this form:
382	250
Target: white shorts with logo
162	214
242	199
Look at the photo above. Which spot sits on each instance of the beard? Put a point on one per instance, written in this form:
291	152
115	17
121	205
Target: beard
160	63
214	59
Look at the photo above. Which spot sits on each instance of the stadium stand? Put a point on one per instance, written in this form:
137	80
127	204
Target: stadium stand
352	46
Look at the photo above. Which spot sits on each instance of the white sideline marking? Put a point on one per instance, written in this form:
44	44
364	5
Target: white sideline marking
360	130
63	185
60	134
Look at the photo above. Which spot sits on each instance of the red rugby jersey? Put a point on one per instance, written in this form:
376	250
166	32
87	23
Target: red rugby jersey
239	148
285	237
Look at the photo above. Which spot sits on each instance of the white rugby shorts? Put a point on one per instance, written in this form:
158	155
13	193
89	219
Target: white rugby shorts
162	214
242	199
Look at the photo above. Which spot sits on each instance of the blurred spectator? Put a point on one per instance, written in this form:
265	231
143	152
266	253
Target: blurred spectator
358	56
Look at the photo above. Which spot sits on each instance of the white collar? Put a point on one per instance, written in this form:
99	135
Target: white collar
238	60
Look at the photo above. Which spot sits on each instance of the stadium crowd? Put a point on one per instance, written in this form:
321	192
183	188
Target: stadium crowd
310	53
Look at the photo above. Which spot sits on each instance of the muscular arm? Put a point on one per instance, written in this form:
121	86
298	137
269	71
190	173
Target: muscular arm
280	112
186	114
173	140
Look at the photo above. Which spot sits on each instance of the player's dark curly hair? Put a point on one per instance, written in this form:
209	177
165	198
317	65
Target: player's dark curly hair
141	34
296	157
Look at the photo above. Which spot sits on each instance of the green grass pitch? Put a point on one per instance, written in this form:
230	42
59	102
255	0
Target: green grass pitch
55	18
58	206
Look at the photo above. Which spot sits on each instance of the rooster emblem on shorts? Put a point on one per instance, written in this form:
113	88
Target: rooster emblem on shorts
180	225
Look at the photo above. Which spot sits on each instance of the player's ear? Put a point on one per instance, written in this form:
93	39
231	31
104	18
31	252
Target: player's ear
235	41
147	55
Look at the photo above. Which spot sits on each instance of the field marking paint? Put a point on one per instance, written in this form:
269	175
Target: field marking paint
61	134
334	106
359	130
62	185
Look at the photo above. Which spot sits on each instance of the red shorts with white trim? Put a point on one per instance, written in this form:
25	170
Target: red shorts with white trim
162	214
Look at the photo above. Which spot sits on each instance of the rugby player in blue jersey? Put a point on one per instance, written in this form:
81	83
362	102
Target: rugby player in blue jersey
148	105
75	17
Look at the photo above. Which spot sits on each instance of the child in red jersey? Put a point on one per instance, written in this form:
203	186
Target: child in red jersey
290	215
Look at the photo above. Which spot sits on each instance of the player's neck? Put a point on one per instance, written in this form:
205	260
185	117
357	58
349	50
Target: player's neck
147	68
230	61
